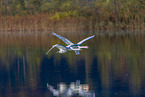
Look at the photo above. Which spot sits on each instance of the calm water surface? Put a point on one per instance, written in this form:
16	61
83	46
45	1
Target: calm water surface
113	66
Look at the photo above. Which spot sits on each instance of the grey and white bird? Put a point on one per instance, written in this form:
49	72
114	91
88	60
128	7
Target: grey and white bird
70	46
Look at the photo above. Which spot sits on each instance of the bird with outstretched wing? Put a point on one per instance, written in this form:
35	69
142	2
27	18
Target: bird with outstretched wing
70	46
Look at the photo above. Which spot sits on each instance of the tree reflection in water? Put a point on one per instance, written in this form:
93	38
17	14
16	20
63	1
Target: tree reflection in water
113	66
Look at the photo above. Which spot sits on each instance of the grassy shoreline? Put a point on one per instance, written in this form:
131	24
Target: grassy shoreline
45	22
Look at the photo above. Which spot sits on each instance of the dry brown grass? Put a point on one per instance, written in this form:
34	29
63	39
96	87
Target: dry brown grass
42	22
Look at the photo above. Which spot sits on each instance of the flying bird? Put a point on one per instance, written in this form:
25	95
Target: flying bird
70	46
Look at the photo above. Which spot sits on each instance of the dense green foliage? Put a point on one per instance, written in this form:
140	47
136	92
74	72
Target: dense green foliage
89	7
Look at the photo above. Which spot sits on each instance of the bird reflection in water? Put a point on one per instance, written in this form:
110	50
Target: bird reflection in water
74	89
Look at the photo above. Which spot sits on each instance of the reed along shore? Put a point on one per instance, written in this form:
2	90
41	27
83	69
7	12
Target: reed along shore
45	22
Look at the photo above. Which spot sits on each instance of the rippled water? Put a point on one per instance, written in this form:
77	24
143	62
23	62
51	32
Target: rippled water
113	66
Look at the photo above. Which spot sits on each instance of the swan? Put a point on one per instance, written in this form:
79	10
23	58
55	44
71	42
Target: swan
70	46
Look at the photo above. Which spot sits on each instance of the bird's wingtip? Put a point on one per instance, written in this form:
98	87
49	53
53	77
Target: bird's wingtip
53	33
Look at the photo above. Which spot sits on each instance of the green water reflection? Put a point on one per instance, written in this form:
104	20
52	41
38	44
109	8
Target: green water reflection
114	65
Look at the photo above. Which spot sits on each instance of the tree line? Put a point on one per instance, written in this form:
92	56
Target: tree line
118	13
92	7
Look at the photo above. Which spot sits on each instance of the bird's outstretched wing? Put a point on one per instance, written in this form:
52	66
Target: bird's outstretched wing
58	46
77	52
79	43
68	42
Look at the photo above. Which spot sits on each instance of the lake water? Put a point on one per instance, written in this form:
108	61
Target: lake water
112	66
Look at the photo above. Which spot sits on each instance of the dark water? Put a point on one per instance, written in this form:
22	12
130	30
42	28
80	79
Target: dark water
113	66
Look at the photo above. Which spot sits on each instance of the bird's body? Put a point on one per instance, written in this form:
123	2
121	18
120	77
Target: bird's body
70	46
